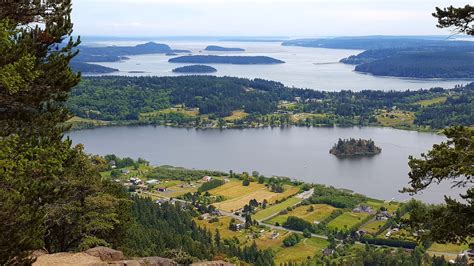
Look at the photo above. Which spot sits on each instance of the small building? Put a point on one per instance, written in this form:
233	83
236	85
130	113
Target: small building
152	182
383	216
206	179
160	201
363	208
328	252
226	180
112	164
125	171
204	216
162	189
274	235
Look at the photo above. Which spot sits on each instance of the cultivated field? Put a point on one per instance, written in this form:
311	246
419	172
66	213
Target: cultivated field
308	247
238	195
347	220
319	213
375	205
276	208
373	227
223	226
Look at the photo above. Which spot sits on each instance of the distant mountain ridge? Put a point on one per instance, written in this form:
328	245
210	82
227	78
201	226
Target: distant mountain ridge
376	42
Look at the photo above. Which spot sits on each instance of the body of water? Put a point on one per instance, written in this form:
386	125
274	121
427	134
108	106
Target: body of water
297	152
314	68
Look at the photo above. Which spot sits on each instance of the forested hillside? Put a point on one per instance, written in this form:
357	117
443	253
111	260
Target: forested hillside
206	101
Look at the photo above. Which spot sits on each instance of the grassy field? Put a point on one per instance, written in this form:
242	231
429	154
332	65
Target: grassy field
432	101
301	116
396	118
234	189
276	208
375	205
265	241
236	115
238	195
320	212
347	220
223	226
306	248
373	226
79	122
448	248
180	110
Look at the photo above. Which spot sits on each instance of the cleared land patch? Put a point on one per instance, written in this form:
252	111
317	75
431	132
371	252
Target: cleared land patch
306	248
432	101
373	227
276	208
319	213
347	220
396	118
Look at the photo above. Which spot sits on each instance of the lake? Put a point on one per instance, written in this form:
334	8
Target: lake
297	152
313	68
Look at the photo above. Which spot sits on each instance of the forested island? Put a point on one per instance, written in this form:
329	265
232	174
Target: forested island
216	59
83	62
409	57
227	102
216	48
431	62
355	147
195	69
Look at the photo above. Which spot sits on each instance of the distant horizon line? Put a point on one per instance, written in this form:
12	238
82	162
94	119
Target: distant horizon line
253	37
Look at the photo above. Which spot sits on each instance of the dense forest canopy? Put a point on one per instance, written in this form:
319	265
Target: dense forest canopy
418	62
354	147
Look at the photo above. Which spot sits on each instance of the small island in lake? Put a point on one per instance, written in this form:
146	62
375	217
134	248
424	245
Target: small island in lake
216	48
216	59
355	147
195	69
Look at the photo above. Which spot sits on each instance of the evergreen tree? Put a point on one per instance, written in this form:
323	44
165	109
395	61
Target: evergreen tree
52	194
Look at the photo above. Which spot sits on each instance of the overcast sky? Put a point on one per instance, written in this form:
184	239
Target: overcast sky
294	18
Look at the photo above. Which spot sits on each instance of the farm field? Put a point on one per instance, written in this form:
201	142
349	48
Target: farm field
347	220
320	212
238	195
432	101
448	248
300	252
396	118
234	189
276	208
390	206
265	240
372	227
223	226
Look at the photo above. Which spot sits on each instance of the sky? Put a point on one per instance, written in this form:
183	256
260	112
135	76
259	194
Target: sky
290	18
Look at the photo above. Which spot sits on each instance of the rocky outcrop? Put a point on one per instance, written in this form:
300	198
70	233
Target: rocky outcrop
103	256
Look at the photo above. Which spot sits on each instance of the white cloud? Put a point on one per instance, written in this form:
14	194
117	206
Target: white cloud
256	17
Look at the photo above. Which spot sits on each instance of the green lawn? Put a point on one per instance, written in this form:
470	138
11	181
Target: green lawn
432	101
308	247
276	208
373	227
347	220
319	213
448	248
375	205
